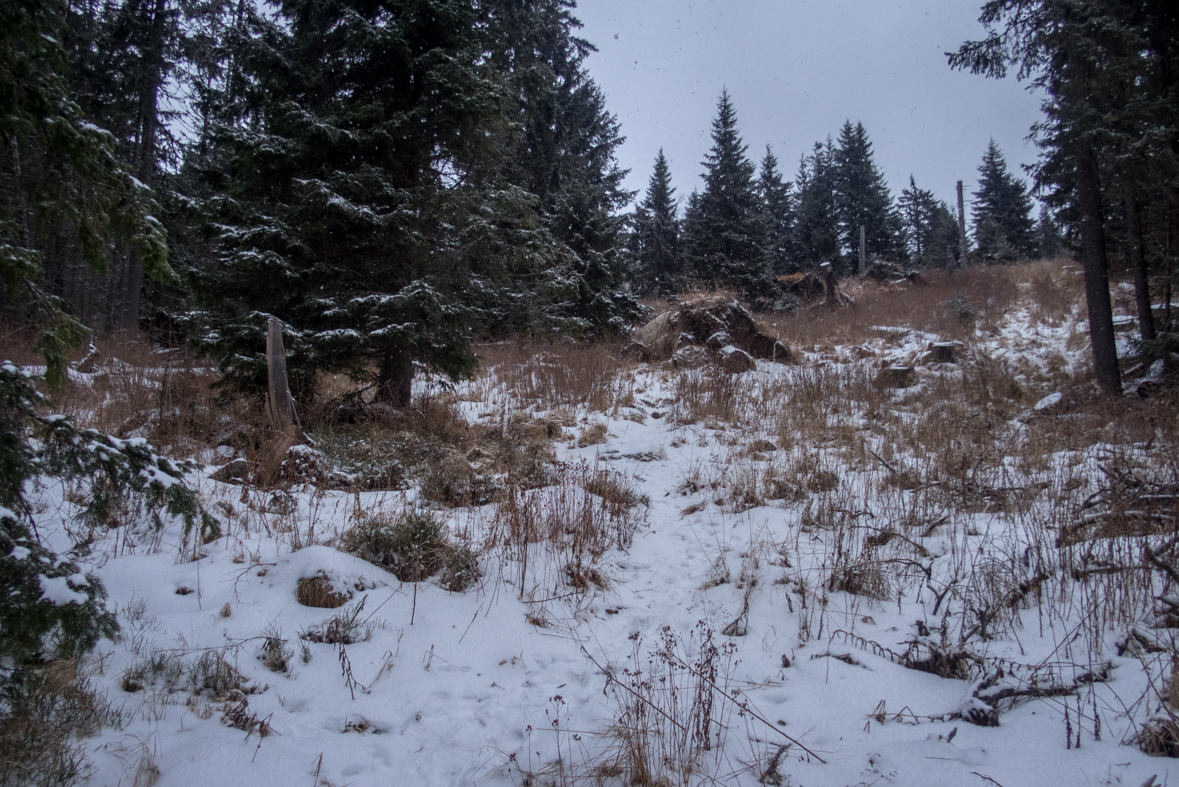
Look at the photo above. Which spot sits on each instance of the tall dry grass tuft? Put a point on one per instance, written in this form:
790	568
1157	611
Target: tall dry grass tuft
560	373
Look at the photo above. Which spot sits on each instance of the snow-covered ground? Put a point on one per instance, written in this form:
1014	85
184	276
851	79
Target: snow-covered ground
498	684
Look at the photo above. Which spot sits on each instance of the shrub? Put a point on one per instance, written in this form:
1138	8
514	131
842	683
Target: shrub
43	712
412	545
460	568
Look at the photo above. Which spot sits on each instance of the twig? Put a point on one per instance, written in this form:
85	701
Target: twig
719	691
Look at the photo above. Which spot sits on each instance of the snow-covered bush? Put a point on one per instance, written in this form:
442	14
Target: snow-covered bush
51	608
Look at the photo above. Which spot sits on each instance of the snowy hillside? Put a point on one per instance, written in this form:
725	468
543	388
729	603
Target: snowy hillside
797	575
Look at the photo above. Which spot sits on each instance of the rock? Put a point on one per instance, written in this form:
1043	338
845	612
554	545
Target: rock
654	332
710	321
734	360
235	471
896	376
1049	404
941	352
718	340
806	287
691	357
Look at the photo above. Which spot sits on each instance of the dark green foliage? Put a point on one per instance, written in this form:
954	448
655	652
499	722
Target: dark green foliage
659	266
1003	225
125	479
862	198
51	609
930	228
335	211
36	623
816	236
414	545
64	184
409	175
1049	242
778	213
724	234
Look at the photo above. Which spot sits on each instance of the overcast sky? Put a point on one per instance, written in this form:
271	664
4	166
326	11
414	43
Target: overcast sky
796	70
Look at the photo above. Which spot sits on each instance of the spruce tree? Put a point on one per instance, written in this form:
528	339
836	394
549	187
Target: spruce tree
657	234
816	235
394	179
559	154
929	226
1001	212
335	216
778	213
62	183
862	197
724	239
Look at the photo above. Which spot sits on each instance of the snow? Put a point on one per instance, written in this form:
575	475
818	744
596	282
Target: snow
1050	400
57	590
463	688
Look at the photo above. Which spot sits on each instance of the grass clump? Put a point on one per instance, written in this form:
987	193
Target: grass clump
414	545
44	711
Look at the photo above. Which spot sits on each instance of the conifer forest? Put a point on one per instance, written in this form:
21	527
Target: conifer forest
359	426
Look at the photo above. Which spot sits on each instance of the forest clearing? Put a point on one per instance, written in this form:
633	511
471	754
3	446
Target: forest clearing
579	568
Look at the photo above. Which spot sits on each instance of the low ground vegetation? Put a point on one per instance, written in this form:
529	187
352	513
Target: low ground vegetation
927	535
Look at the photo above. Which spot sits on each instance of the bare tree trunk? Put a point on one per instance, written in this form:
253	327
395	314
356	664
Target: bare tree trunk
395	384
1138	261
961	228
863	251
280	406
1094	263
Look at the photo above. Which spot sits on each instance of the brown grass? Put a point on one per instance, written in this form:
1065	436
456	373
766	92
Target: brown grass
950	306
559	373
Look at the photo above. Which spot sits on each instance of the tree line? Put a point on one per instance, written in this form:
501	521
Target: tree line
1109	143
391	179
396	179
749	225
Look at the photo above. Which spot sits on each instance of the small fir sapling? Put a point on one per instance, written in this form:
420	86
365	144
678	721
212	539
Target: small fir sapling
52	609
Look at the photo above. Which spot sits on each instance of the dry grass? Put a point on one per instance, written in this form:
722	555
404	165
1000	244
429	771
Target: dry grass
46	710
130	389
559	373
950	306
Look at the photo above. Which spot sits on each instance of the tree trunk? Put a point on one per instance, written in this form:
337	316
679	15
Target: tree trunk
280	407
395	384
1138	260
961	229
1093	261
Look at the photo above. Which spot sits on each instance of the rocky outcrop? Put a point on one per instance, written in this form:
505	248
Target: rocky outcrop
710	329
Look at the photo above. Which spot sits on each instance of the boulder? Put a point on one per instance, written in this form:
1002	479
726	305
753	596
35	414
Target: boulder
941	352
714	322
691	357
896	376
807	287
735	360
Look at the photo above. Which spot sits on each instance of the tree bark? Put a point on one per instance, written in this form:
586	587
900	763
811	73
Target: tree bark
1093	261
279	404
395	383
1138	261
961	229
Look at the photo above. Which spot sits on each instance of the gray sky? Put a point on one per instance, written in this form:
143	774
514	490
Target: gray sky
796	70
